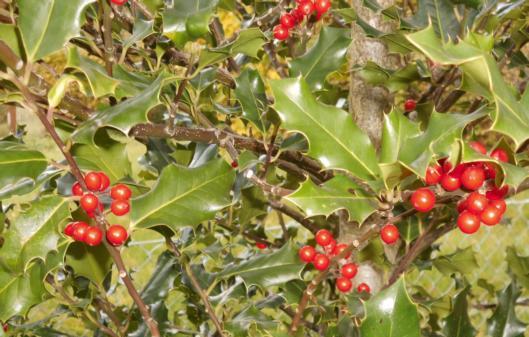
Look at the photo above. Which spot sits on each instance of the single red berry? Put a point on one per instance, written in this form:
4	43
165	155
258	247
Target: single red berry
500	155
468	222
261	245
499	204
322	6
69	229
450	183
349	270
410	105
307	253
80	230
423	199
343	284
93	181
490	216
120	192
433	175
339	249
105	181
321	262
234	164
476	202
490	170
77	190
287	20
93	236
89	202
119	2
363	288
389	234
120	207
117	235
306	7
281	33
5	327
323	237
497	193
473	178
478	147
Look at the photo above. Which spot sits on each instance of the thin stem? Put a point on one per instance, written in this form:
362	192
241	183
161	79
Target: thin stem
107	36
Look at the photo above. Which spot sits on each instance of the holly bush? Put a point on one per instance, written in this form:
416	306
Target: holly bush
297	160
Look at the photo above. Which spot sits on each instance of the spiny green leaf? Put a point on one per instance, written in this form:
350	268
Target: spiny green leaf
504	322
391	313
463	261
334	138
519	266
394	80
325	57
250	92
94	263
184	196
34	233
440	14
142	29
267	270
250	316
111	158
458	324
47	25
338	193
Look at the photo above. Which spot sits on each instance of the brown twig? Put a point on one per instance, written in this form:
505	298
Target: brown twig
143	9
292	213
216	28
272	55
106	28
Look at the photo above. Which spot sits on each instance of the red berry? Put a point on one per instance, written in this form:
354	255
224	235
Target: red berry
119	2
423	199
105	181
499	204
287	20
120	192
306	7
339	249
281	33
343	284
324	237
5	327
298	15
433	175
93	181
329	248
476	202
77	190
478	147
307	253
389	234
322	6
490	216
490	170
234	164
468	222
473	178
363	288
93	236
80	230
120	207
462	205
117	235
497	193
450	183
410	105
69	229
261	245
349	270
89	202
321	262
500	155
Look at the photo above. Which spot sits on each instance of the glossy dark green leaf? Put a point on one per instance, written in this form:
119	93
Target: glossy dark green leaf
162	280
111	158
266	270
94	263
250	92
440	14
391	313
393	80
325	57
457	323
335	140
253	203
250	316
46	26
184	196
504	323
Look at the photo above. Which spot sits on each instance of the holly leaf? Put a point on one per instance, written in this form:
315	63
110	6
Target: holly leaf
8	34
457	323
334	139
440	14
94	263
18	164
391	313
47	25
110	158
267	270
519	266
503	322
239	324
162	280
142	29
325	57
184	196
482	76
34	233
250	92
338	193
462	261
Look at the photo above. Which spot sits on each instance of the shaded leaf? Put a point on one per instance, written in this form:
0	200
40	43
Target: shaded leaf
457	323
462	261
250	92
94	263
519	266
8	34
142	29
438	13
504	323
250	316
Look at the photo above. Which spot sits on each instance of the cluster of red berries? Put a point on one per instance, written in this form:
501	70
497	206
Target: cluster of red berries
98	183
487	207
304	9
321	261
